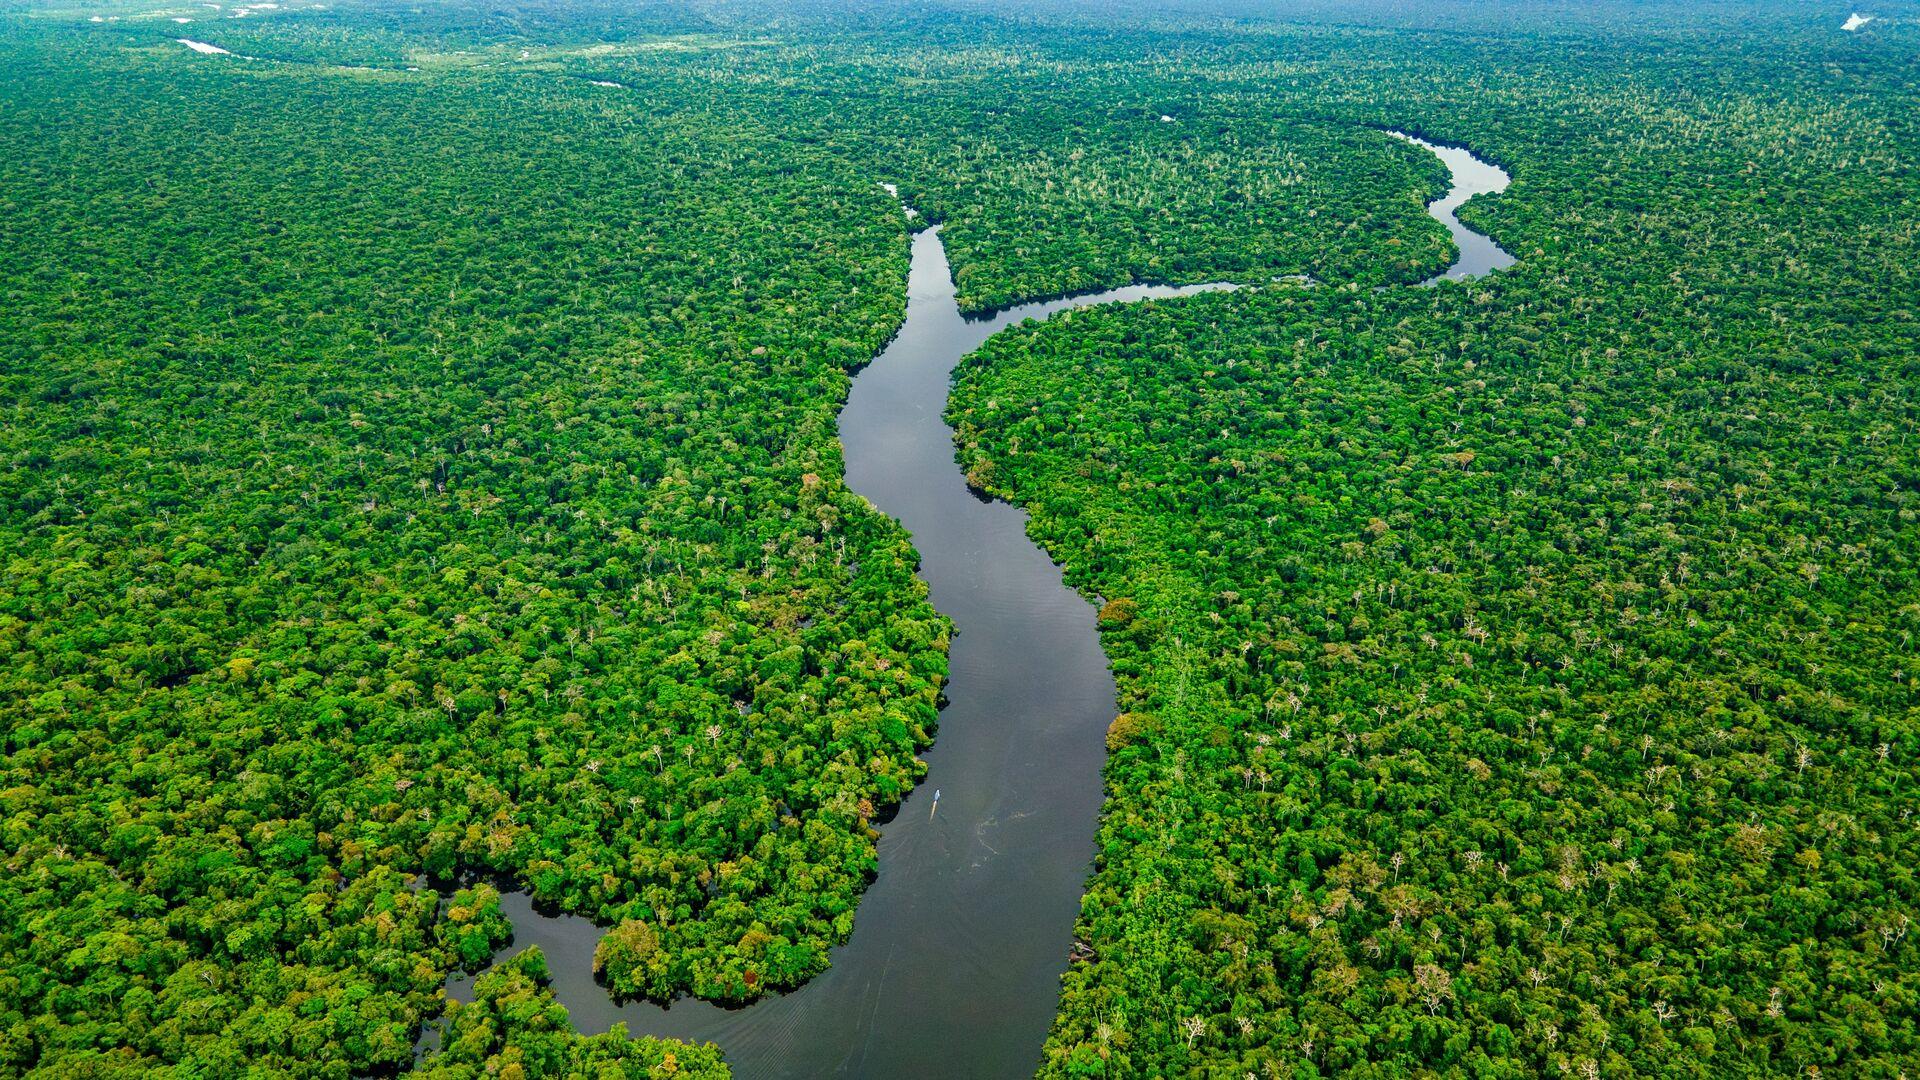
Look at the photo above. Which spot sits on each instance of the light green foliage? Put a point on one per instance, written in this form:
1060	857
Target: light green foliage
423	476
513	1029
419	468
430	473
1522	680
1063	191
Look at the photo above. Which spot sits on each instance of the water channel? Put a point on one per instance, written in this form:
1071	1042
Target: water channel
953	969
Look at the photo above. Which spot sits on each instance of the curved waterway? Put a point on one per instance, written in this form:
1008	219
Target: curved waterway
954	966
1478	254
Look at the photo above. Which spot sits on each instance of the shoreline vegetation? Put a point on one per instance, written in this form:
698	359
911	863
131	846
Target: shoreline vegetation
432	470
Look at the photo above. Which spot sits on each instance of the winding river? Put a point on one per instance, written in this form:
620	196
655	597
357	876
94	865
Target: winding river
1477	253
953	969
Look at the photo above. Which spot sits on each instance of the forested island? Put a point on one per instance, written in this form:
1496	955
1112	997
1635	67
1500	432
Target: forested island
423	483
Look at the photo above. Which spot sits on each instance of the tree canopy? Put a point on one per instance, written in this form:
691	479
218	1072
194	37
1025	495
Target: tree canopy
420	481
1517	675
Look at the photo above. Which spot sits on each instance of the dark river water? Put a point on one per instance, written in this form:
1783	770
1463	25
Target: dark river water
953	969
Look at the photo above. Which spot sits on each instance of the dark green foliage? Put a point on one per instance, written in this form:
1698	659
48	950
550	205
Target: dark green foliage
1526	668
1064	193
514	1030
413	478
473	927
430	473
422	475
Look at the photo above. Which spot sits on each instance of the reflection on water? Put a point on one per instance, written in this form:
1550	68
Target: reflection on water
955	961
1471	176
954	965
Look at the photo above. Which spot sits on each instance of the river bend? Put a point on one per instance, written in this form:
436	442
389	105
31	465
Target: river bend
953	969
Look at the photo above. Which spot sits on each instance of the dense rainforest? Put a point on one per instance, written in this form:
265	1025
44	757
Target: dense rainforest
407	485
1518	676
421	482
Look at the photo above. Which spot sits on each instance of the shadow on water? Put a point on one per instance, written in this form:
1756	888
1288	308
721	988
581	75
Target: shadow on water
954	966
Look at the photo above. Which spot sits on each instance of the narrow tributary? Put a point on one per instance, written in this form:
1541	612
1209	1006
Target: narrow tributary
953	969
